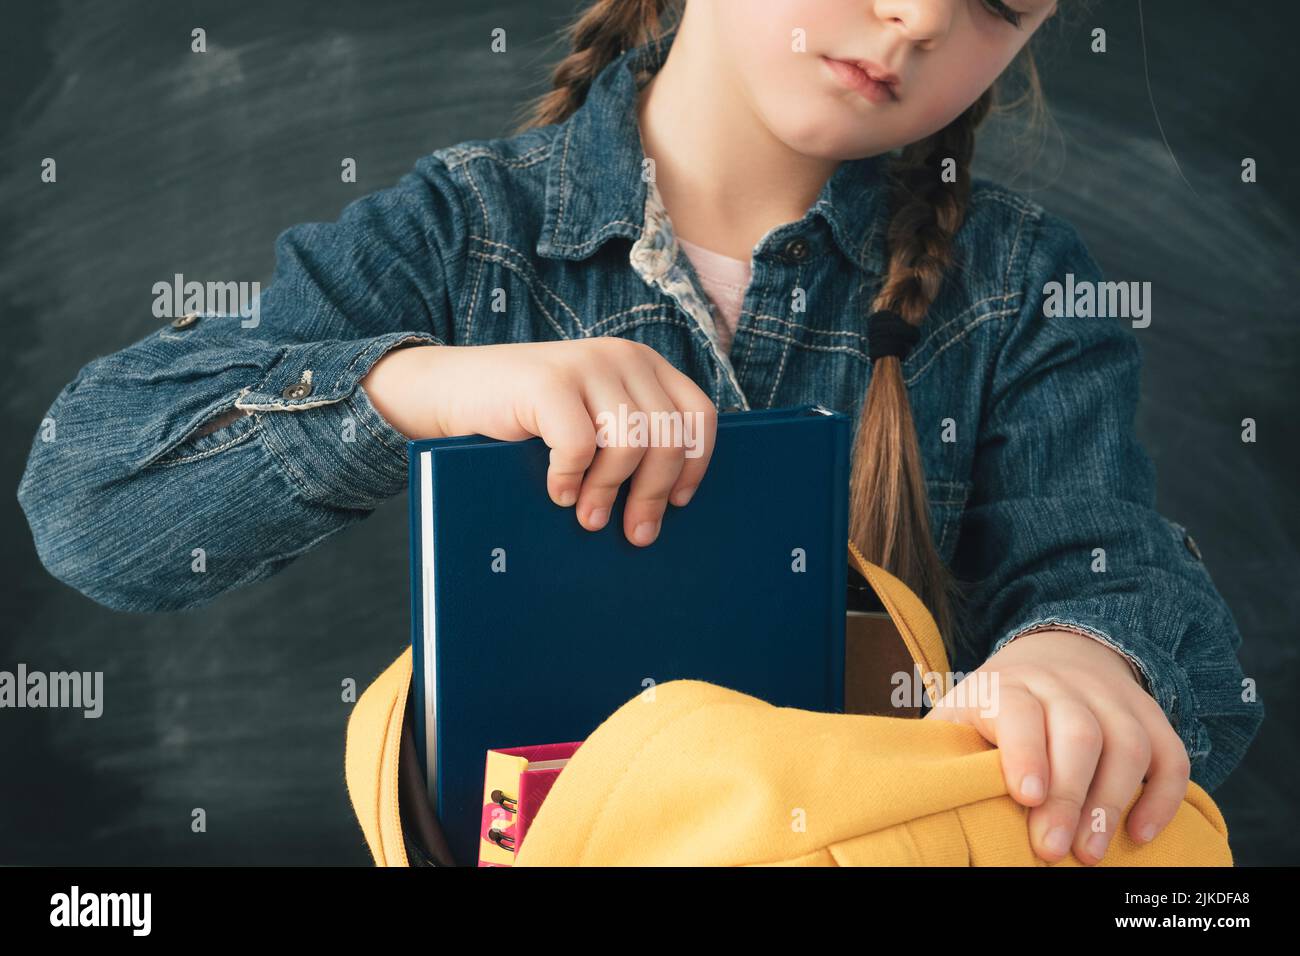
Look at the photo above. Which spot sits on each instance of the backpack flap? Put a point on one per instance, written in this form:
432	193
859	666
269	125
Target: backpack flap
692	774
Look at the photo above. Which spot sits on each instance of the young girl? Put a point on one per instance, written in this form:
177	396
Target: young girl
726	204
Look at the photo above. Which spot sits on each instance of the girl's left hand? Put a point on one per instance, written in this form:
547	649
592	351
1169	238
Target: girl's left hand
1078	736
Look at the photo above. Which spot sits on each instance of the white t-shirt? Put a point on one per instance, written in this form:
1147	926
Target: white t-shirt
724	280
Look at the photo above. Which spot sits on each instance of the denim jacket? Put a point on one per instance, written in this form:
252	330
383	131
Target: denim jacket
1025	422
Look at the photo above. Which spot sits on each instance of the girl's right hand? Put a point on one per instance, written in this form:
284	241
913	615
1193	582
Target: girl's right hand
559	391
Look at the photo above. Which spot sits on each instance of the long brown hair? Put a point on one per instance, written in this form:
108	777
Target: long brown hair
889	516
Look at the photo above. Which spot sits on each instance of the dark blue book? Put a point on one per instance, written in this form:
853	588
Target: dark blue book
529	629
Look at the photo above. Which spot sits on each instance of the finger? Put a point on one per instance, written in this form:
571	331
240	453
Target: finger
1021	731
1167	779
1011	717
1125	756
658	469
1074	742
613	463
563	422
699	426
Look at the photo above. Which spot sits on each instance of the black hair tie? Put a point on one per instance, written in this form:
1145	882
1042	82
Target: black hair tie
888	333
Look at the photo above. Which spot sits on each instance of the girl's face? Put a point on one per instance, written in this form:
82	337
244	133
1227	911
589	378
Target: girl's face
789	59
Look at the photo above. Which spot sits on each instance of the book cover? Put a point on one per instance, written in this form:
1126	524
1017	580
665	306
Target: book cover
526	626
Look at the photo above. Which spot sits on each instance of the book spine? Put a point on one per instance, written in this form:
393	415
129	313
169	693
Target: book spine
499	835
417	601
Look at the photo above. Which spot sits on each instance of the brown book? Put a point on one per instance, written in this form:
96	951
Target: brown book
873	654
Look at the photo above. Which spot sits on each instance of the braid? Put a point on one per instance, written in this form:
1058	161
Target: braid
596	38
928	212
889	510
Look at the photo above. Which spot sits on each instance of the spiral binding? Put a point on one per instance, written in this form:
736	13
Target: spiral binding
498	836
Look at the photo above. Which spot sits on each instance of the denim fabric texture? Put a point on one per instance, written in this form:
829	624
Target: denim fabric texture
559	224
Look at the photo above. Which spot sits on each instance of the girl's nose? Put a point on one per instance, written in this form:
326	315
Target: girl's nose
921	21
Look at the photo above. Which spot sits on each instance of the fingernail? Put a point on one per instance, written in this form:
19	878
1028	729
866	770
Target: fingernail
1096	845
1148	833
567	497
598	517
682	496
1031	788
1057	841
645	532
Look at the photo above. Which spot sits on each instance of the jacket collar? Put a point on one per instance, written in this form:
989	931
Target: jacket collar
594	188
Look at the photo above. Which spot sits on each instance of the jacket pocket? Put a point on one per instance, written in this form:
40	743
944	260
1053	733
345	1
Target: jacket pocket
192	446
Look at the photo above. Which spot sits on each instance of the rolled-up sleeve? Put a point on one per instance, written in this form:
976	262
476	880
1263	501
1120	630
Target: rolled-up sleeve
1062	529
134	502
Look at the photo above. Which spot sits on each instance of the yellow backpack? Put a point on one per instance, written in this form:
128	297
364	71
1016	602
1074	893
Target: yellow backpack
693	774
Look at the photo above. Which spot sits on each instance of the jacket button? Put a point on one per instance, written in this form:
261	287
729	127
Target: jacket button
1191	546
297	390
797	249
185	321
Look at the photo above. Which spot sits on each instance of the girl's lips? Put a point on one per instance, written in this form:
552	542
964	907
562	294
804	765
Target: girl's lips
858	81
